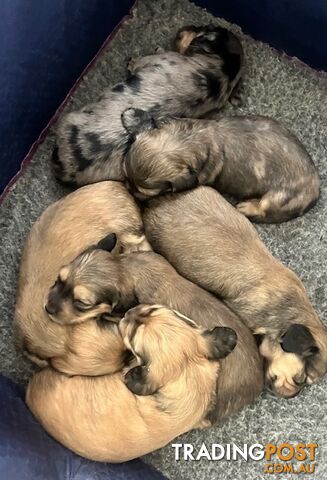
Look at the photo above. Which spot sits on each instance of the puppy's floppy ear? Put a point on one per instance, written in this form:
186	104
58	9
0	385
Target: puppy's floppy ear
299	340
136	121
107	243
186	181
221	341
137	381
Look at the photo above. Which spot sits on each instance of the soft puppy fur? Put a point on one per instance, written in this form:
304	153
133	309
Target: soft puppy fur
91	142
211	243
252	158
65	229
145	277
106	419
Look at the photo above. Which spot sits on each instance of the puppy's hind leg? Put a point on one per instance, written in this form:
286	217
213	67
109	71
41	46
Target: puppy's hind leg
278	206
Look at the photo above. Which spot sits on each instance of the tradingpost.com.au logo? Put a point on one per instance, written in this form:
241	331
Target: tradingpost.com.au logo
277	458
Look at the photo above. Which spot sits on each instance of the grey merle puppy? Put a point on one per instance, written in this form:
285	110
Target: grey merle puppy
199	77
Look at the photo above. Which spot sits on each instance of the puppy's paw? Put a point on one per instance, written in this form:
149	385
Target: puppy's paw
251	208
237	100
205	423
159	50
131	64
238	94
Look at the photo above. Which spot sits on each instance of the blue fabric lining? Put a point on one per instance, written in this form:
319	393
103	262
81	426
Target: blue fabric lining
45	45
28	452
297	27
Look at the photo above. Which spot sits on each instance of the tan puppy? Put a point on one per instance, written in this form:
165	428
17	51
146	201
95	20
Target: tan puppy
106	419
144	277
64	230
212	244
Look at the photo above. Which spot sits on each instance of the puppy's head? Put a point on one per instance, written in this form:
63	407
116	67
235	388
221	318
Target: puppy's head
161	158
207	40
298	359
185	36
89	287
165	343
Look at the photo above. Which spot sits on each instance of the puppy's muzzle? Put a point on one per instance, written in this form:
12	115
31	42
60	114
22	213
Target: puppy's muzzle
283	389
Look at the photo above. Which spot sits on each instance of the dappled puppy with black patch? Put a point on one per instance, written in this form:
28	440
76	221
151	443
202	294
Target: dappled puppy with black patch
77	222
195	39
252	158
212	244
92	142
145	277
169	390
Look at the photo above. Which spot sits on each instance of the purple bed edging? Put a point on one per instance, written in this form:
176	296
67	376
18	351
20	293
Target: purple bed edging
27	159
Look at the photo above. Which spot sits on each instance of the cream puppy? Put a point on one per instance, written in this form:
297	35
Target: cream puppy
116	418
65	229
212	244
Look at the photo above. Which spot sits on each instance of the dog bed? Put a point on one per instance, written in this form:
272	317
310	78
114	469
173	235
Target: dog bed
274	85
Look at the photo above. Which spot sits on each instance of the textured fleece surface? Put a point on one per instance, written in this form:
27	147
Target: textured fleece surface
275	86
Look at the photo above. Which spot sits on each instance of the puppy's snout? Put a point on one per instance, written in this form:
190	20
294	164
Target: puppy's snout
283	386
131	187
50	307
286	390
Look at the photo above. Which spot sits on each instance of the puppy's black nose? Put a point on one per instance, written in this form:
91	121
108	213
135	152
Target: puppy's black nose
50	309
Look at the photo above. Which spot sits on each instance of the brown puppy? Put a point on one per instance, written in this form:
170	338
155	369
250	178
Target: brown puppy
212	244
145	277
106	419
252	158
64	230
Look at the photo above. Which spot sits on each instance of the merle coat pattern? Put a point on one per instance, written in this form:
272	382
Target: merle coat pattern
91	142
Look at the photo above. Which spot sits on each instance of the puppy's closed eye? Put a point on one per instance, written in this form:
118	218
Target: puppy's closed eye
82	306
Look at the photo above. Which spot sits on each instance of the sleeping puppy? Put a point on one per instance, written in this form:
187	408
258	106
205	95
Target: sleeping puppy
192	39
254	159
91	142
212	244
168	393
145	277
66	228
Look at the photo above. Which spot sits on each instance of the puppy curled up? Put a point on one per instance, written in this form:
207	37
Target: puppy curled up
115	418
145	277
212	244
65	228
91	142
252	158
